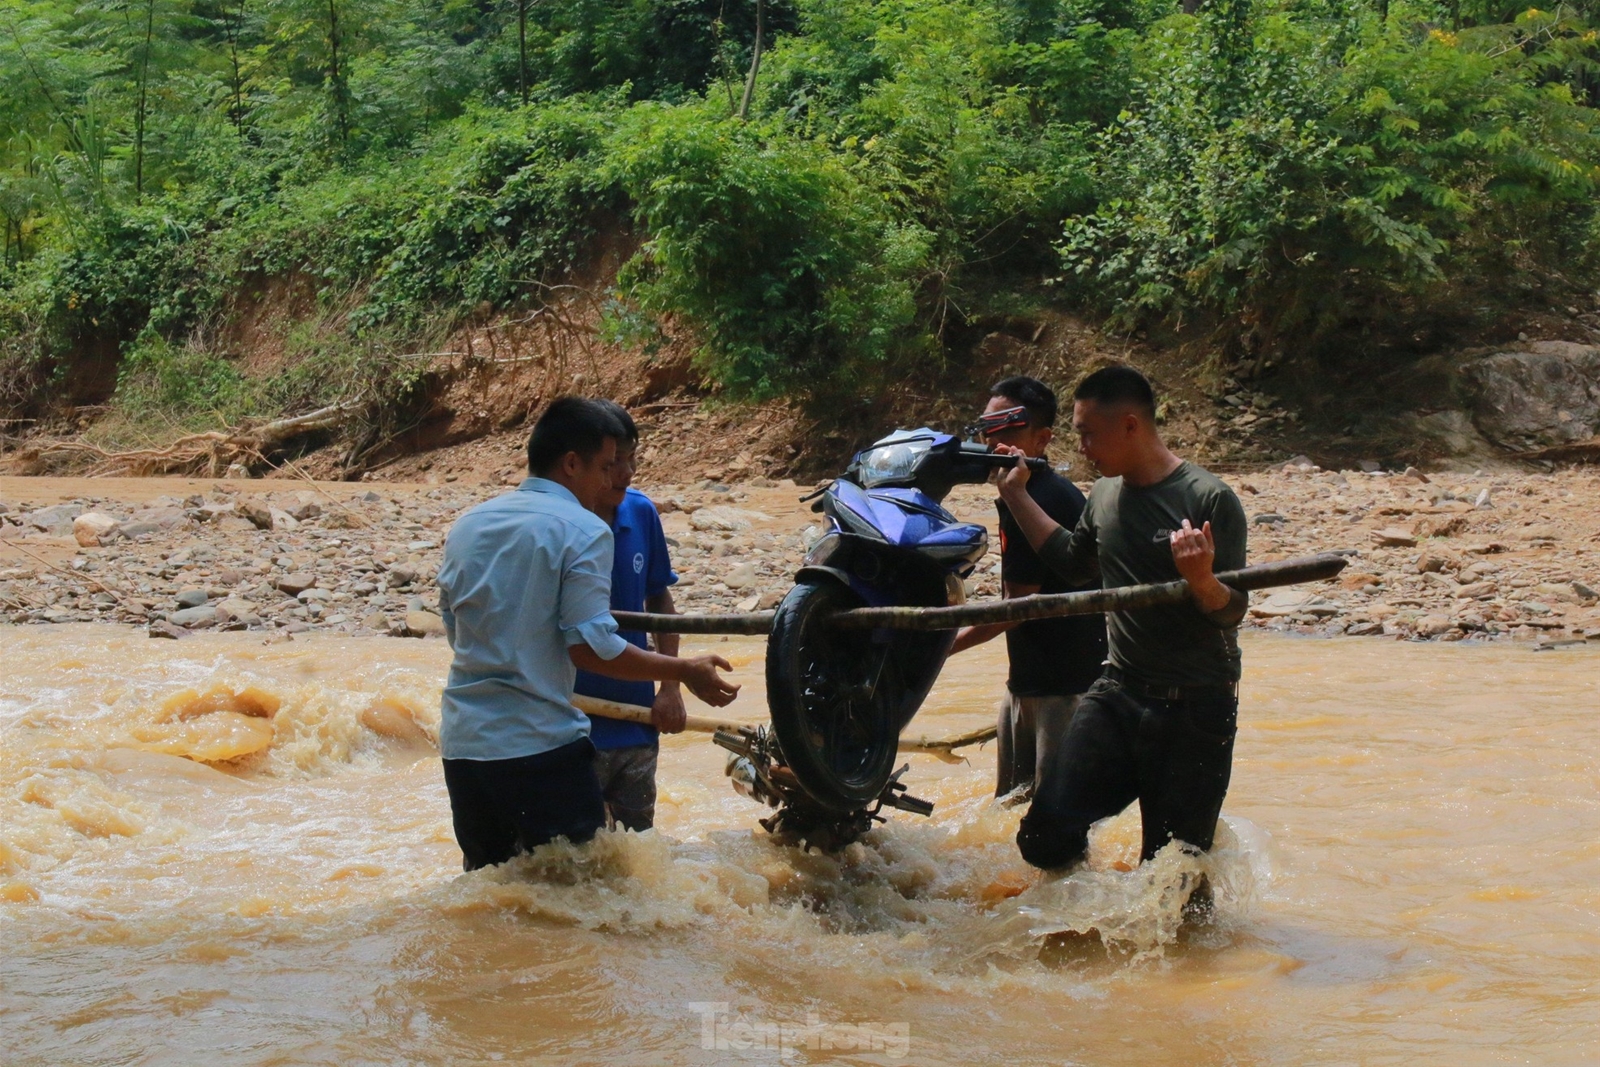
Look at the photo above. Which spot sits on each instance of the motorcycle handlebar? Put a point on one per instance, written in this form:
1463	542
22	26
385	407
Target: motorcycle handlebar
997	459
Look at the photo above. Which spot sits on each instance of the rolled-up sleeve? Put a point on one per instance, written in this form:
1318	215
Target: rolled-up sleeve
585	615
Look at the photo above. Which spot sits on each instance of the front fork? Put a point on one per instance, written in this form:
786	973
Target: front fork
755	772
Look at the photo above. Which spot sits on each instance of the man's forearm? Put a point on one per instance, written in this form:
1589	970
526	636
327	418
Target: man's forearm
661	604
633	665
1229	611
977	635
666	643
1031	519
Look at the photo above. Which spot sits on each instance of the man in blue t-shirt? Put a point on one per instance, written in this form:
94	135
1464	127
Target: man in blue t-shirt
641	580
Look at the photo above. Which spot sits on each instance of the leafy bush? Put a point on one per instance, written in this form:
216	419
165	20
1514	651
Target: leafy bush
1325	177
792	269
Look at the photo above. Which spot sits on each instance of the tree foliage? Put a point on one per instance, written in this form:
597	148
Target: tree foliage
1282	168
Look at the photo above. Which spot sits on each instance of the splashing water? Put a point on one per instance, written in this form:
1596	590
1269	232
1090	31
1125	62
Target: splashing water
298	892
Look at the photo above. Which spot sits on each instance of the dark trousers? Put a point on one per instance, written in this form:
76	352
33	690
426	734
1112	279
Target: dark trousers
627	779
1173	756
503	807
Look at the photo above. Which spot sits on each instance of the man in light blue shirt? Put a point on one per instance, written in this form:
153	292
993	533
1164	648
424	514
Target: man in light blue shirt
524	590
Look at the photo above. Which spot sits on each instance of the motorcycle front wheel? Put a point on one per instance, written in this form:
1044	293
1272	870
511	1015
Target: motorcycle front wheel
833	695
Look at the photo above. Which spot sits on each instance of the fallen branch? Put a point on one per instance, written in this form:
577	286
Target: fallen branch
215	449
940	748
1571	452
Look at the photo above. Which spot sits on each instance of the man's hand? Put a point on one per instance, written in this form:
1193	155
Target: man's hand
700	675
1194	552
1013	481
668	714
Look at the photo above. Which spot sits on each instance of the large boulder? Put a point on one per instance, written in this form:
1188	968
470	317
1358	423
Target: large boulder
1540	394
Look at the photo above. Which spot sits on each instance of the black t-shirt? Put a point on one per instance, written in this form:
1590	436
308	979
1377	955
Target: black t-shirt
1049	657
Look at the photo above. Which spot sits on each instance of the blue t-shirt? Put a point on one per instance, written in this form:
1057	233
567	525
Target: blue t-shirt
640	569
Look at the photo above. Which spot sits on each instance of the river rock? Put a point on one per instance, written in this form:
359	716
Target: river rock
154	520
399	577
1393	538
295	584
1541	394
741	577
194	618
92	528
424	624
259	514
192	598
1434	625
723	518
55	520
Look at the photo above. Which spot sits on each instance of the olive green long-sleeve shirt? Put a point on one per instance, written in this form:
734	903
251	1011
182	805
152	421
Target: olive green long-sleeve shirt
1124	538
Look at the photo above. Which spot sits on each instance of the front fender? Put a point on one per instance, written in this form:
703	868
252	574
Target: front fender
818	573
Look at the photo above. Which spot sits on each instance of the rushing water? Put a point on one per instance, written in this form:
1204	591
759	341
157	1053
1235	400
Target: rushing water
1408	872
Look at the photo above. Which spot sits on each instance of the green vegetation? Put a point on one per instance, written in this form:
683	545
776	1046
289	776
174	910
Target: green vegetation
1284	172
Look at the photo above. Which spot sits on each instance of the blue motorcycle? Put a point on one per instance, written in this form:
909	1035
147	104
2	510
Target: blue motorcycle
840	698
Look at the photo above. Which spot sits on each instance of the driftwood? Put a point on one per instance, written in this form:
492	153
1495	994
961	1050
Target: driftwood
213	451
1019	609
1569	452
942	748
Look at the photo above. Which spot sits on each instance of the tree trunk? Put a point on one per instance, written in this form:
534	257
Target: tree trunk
341	118
144	84
235	29
755	62
522	49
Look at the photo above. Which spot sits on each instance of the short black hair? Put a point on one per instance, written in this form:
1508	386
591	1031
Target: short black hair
630	430
1118	384
1031	393
570	424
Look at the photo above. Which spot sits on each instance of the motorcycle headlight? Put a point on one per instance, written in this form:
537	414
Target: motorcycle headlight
892	461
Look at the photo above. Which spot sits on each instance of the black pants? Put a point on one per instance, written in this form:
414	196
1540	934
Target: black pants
503	807
1173	756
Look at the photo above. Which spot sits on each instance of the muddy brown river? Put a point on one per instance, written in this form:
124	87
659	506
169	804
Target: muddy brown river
1408	872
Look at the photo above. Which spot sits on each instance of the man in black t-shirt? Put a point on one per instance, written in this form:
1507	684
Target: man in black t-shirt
1053	661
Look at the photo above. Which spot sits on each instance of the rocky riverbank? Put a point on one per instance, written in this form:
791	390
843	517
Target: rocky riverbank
1488	555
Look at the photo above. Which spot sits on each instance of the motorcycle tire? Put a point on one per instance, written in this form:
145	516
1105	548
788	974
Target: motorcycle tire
839	742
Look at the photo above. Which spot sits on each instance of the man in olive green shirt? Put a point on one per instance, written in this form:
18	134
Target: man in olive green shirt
1158	726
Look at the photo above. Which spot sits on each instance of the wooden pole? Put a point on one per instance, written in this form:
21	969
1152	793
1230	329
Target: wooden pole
1020	609
1089	602
699	724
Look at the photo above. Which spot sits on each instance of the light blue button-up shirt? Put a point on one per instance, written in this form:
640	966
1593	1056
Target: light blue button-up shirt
525	576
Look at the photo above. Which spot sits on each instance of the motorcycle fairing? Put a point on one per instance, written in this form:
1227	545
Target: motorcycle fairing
906	518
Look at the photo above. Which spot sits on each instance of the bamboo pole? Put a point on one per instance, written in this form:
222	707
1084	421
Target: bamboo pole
1020	609
941	748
